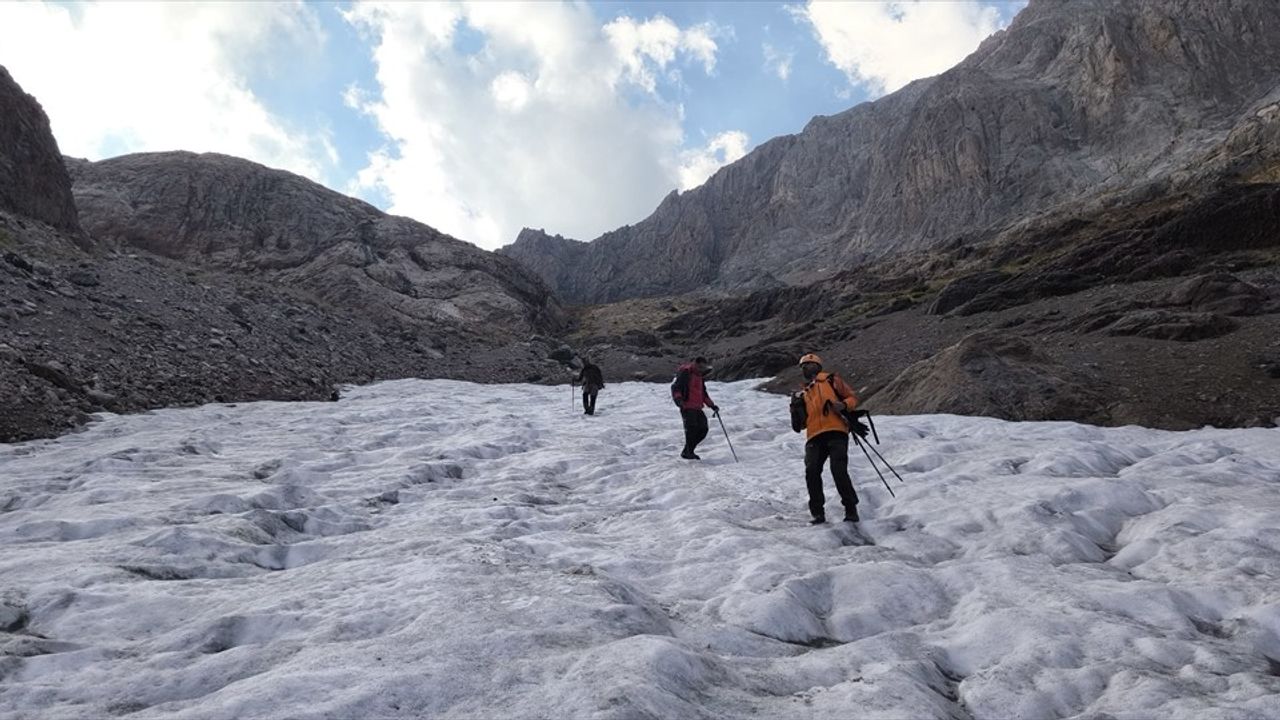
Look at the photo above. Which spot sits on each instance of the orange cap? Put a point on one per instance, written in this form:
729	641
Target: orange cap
810	358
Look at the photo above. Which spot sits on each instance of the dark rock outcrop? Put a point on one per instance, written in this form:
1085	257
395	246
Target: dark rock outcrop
995	375
1168	325
964	289
1077	105
1219	293
33	180
1130	244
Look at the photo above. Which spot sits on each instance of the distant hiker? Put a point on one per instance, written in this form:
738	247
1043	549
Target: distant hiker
689	392
820	410
592	382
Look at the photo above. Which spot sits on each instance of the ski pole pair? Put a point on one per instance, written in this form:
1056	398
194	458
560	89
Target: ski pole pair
859	440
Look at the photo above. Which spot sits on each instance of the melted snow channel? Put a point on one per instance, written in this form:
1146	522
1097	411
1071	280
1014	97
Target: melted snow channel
435	548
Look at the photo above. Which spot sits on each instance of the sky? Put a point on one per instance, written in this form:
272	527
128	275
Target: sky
476	118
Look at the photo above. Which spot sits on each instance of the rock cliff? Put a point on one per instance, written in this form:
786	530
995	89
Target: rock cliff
33	180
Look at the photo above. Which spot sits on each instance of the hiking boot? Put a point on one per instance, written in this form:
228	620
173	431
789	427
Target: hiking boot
851	515
689	456
818	520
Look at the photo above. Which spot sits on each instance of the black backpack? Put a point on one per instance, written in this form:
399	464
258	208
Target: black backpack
799	413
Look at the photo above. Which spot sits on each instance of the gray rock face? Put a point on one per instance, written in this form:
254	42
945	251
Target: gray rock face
222	212
1076	104
33	180
551	257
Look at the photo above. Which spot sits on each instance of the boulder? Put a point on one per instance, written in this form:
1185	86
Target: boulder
1171	325
83	278
995	375
563	355
1217	293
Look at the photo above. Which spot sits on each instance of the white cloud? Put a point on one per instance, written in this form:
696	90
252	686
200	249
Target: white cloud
129	77
644	47
886	44
698	165
555	121
778	62
510	91
699	41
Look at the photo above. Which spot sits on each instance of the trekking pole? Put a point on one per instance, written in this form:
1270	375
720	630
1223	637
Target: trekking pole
858	440
726	436
874	434
573	395
886	463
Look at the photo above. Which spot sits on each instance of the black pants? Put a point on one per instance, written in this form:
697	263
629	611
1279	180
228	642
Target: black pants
834	445
589	393
695	429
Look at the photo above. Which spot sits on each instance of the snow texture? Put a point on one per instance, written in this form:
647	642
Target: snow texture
435	548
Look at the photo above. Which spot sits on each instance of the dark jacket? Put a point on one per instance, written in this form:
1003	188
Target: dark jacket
591	376
688	390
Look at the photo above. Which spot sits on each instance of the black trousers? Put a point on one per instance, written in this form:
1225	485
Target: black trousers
695	429
589	393
833	445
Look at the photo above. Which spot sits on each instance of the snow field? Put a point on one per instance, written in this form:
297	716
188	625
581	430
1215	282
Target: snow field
436	548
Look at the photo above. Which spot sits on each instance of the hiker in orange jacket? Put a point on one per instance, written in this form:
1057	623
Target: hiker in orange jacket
819	409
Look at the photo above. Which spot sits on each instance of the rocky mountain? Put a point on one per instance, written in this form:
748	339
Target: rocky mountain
174	279
1164	313
1075	107
220	212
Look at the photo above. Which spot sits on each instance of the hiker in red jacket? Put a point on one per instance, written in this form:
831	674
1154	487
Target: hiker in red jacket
689	392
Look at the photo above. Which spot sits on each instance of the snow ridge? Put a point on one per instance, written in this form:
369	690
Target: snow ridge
436	548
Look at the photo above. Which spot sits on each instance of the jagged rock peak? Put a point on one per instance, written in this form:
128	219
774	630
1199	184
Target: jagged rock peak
33	181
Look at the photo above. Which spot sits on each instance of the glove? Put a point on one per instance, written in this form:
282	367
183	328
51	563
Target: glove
715	409
857	427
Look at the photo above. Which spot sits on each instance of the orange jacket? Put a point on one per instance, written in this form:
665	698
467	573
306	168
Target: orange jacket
826	387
